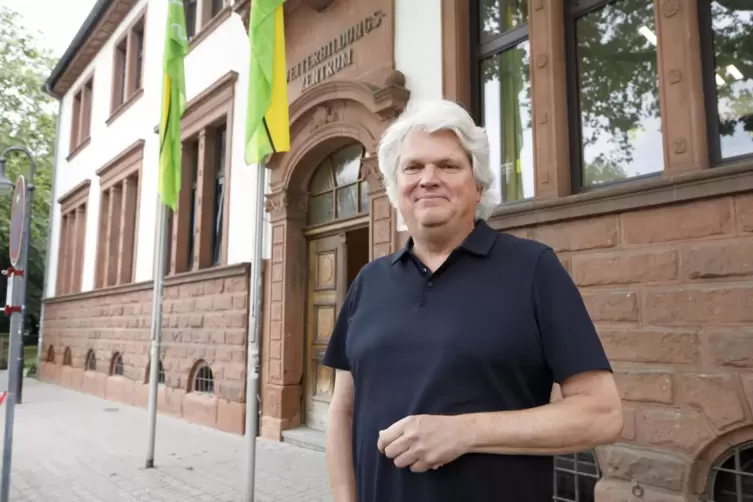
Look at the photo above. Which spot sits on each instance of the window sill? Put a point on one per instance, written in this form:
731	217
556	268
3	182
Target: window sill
628	196
121	109
208	28
78	149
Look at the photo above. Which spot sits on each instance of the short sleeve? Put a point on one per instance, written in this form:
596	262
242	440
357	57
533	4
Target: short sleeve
335	356
571	344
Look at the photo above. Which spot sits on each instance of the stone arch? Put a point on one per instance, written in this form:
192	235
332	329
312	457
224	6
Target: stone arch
698	480
323	119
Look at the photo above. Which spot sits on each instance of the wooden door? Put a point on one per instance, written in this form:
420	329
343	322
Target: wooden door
327	287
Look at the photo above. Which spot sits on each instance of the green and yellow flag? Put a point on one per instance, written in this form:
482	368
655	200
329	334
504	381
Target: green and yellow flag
173	104
267	120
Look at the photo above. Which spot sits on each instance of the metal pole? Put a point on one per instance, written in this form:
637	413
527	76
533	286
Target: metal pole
15	349
24	278
252	363
159	280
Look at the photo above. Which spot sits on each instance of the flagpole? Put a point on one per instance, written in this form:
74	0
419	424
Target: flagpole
252	361
156	332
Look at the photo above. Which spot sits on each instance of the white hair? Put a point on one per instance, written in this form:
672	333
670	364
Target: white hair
432	116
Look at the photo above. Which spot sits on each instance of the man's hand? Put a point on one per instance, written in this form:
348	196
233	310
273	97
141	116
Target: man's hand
422	442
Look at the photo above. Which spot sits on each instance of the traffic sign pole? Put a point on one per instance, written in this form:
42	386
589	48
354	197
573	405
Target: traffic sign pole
16	307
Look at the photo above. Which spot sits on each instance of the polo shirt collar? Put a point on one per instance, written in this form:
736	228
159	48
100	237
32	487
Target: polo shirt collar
479	242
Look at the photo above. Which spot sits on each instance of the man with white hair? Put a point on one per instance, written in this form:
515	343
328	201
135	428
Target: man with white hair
446	352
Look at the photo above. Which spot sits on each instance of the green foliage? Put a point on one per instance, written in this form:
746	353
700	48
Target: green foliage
27	118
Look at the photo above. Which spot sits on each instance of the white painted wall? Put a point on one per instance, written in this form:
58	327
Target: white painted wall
418	51
205	64
417	55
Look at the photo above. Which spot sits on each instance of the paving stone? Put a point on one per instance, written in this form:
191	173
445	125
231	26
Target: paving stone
67	447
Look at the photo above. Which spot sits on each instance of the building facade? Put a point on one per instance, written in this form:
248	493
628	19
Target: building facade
621	133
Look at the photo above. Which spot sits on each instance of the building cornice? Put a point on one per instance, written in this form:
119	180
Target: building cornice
102	22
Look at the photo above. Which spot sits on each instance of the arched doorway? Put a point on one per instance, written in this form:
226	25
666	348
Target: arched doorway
337	239
336	118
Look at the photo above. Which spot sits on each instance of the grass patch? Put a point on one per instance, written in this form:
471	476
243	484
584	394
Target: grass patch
30	355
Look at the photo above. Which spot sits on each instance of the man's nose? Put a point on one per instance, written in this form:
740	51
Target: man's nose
429	175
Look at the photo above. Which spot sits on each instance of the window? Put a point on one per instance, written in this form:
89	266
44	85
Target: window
199	226
203	379
614	91
202	224
731	478
220	140
160	372
72	239
338	189
81	116
91	361
67	357
128	65
118	217
503	84
116	367
575	477
199	13
50	354
728	66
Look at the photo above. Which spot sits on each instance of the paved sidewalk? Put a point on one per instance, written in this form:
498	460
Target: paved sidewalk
70	446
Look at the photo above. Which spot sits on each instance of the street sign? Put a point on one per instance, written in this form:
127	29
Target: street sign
17	219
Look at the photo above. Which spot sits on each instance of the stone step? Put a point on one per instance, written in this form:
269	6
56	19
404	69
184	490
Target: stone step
304	437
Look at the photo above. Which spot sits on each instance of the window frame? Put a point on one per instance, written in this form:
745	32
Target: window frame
482	51
710	96
81	116
204	114
716	468
206	21
574	116
115	262
72	239
130	73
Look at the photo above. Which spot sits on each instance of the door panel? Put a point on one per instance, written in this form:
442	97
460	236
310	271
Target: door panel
327	286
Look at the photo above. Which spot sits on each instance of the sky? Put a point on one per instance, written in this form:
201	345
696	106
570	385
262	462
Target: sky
57	21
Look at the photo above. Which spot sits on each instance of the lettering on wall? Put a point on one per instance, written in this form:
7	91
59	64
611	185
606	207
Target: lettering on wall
335	55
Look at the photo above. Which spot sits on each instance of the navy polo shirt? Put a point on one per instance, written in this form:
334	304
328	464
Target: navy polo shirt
490	330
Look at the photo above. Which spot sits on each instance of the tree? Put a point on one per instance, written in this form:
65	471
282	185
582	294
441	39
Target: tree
27	118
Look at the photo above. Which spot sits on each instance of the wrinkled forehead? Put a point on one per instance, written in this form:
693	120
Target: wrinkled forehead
441	147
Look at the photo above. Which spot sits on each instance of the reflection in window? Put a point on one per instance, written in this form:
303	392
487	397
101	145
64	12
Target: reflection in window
507	119
618	92
575	477
732	33
499	16
219	191
337	188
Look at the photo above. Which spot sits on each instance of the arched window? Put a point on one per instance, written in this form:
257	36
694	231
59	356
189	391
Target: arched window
575	477
91	361
731	477
116	366
337	189
203	378
160	372
50	354
67	357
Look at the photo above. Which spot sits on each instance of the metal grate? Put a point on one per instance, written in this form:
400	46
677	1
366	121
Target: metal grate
117	365
91	361
575	477
731	478
204	380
